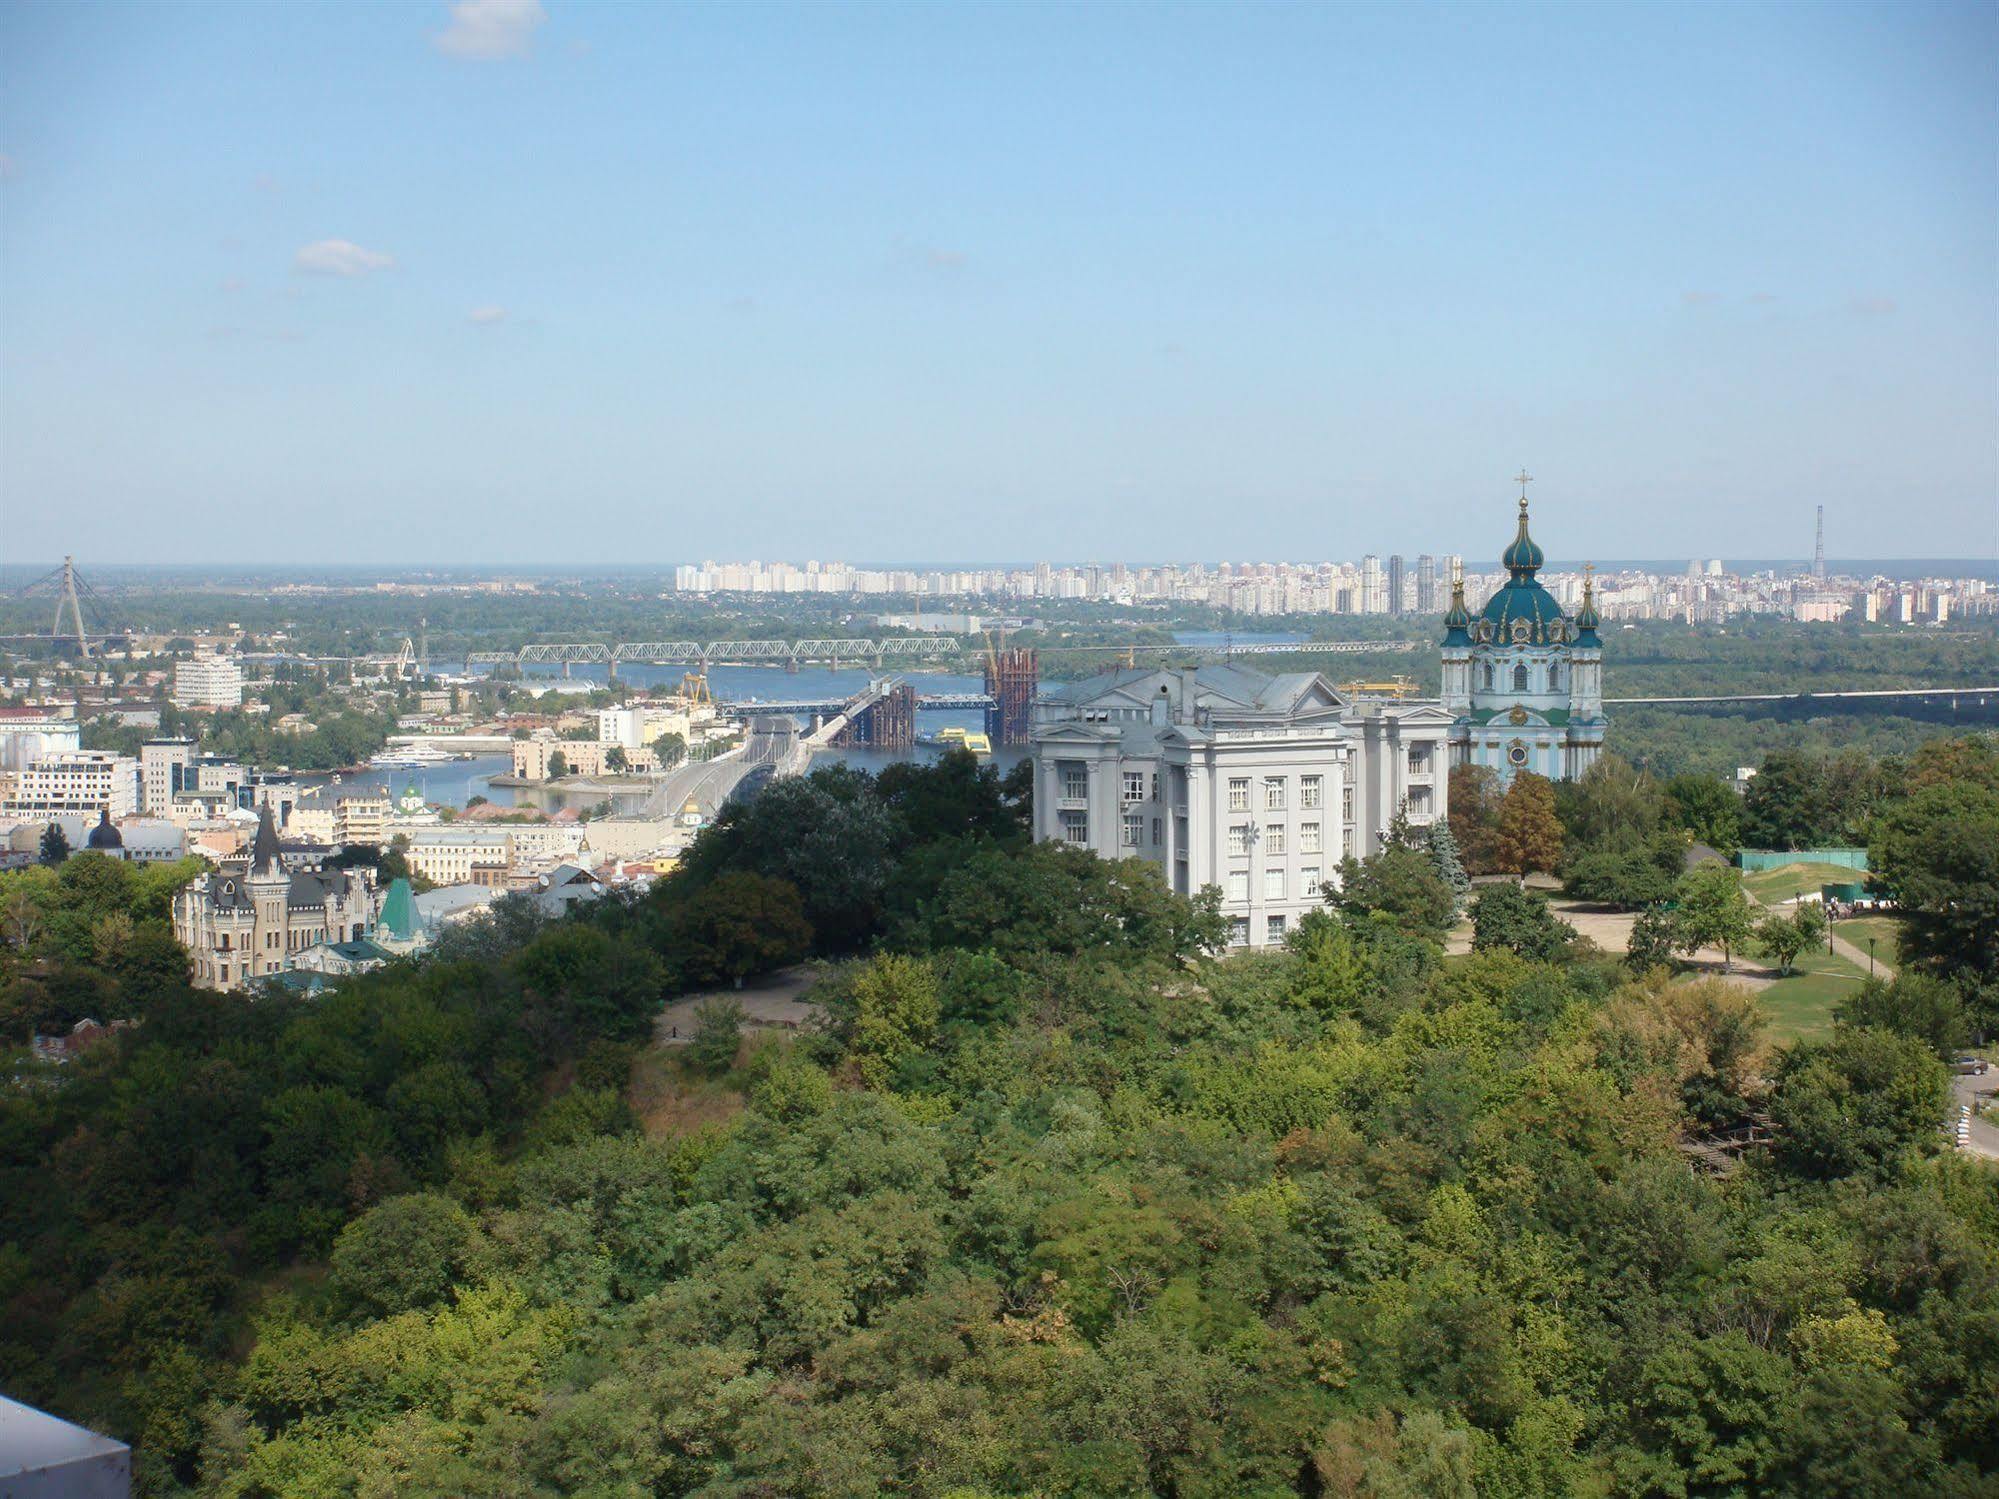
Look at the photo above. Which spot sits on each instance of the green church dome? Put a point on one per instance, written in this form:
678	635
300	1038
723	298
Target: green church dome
1522	612
1523	555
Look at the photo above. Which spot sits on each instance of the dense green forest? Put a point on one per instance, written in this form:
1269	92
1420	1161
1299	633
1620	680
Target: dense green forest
1056	1201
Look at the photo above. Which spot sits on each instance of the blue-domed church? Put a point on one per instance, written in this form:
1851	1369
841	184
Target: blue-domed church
1523	682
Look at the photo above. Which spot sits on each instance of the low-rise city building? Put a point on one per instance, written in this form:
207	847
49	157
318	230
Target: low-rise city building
75	782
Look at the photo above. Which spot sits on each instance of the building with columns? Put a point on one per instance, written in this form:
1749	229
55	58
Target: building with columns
1221	776
1523	683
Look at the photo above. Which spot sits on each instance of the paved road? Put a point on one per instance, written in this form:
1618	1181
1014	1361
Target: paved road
708	785
1974	1091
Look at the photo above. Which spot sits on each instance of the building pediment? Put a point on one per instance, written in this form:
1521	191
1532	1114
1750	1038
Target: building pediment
1070	731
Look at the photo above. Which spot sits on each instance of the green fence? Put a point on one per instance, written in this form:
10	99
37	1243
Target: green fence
1753	859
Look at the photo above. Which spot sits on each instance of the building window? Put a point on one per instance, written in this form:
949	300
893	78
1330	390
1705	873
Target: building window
1310	789
1158	831
1238	838
1180	833
1075	783
1238	885
1520	677
1419	800
1239	794
1346	804
1129	831
1309	878
1309	838
1273	929
1273	795
1238	932
1488	676
1419	759
1134	785
1273	884
1555	677
1273	838
1075	827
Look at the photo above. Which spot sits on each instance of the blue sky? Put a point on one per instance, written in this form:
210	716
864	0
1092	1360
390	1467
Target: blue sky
513	281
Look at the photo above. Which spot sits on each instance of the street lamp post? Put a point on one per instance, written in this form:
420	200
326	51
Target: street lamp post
1870	957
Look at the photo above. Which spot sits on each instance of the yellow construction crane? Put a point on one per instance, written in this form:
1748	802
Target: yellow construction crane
1397	687
694	688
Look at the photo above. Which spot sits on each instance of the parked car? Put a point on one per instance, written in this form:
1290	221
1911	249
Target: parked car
1969	1066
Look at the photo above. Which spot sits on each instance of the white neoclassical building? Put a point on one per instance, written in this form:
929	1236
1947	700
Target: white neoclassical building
1255	784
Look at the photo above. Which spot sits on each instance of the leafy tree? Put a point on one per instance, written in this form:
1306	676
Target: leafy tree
1860	1101
1783	937
1335	971
1655	937
718	1033
1612	801
670	749
586	983
1627	876
1398	886
1505	915
827	834
403	1253
1474	815
558	765
1708	808
1528	839
955	796
1713	911
1914	1004
895	1013
54	846
1053	898
1937	854
616	761
739	925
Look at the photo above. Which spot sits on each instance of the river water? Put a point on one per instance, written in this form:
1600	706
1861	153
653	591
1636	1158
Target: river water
453	784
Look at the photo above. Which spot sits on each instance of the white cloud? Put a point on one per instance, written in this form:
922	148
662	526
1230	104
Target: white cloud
340	257
490	29
488	315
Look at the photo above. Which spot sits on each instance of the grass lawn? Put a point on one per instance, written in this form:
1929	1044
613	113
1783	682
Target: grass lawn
1773	885
1885	930
1800	1007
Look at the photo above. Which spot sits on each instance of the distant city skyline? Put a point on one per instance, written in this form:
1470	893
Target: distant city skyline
527	283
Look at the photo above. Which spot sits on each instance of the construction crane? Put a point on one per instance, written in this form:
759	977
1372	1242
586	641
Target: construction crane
1396	687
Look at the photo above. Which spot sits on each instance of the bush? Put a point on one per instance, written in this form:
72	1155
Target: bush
400	1254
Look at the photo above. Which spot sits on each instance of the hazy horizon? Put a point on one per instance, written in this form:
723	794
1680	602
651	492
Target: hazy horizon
535	284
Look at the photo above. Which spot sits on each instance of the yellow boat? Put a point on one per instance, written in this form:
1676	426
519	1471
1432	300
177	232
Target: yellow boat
969	739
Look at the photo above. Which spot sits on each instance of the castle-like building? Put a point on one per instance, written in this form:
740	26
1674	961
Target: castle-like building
1523	683
252	919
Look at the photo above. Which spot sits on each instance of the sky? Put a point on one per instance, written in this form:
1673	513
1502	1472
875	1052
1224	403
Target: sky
523	281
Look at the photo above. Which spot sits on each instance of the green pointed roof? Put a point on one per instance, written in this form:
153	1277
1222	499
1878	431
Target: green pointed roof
1523	558
1457	621
399	911
1586	617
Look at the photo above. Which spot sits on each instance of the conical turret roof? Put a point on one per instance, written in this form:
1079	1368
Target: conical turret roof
266	861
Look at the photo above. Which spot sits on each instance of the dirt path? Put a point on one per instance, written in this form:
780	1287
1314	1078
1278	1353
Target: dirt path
774	1002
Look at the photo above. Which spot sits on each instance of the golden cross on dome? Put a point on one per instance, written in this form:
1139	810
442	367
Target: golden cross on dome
1523	479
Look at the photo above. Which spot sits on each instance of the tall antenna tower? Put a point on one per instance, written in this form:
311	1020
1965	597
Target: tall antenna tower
1818	551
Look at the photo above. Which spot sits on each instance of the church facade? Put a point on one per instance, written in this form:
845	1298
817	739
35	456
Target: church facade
1523	683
